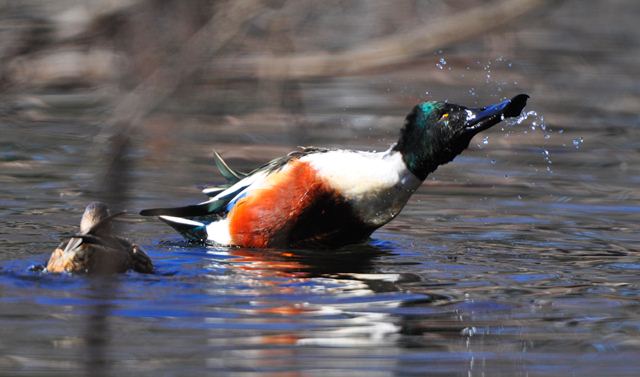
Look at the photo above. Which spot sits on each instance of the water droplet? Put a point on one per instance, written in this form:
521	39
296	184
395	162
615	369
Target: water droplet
468	331
547	159
577	142
523	117
493	162
485	140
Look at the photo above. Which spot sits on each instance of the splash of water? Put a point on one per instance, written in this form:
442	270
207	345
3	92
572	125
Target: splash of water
537	123
577	142
485	141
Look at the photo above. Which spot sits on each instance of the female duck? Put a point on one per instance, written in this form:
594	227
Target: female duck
96	250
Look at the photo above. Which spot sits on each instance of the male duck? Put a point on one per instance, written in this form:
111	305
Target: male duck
320	197
96	250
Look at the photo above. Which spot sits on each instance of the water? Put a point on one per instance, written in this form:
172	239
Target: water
495	267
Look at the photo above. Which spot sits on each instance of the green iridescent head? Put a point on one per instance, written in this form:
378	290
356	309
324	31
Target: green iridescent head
434	133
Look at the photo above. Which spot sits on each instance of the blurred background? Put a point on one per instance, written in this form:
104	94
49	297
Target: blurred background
519	258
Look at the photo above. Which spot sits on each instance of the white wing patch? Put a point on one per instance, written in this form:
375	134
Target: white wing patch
181	220
239	187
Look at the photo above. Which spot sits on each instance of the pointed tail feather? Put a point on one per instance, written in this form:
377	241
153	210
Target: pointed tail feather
202	209
213	191
229	174
191	230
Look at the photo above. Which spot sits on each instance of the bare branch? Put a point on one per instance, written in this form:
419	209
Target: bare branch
383	52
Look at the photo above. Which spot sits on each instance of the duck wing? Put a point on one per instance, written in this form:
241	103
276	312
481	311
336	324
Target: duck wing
217	205
223	198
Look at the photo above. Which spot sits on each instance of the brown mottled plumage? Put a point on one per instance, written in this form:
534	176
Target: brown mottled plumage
96	250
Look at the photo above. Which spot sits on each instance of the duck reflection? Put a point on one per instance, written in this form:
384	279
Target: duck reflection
305	299
308	263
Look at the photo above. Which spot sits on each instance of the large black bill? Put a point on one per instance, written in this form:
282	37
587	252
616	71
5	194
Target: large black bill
481	119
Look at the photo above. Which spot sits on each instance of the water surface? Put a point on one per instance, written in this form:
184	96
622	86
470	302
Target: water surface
519	258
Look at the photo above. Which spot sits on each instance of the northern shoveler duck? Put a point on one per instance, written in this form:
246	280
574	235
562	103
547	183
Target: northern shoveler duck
318	197
96	250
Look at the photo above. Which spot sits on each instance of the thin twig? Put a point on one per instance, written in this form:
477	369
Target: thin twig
225	23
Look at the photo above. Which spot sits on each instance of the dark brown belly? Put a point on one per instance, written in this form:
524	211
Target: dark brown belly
328	222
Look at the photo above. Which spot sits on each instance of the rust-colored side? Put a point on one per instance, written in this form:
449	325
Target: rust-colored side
265	217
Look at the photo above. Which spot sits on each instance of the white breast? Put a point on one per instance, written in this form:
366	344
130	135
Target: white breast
378	185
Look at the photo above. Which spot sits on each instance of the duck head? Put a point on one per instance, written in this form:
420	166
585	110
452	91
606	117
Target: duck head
436	132
93	219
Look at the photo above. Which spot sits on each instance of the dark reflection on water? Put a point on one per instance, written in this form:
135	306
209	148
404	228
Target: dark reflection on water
506	262
97	334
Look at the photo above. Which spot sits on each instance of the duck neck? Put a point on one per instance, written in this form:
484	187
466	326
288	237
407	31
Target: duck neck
425	148
418	158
